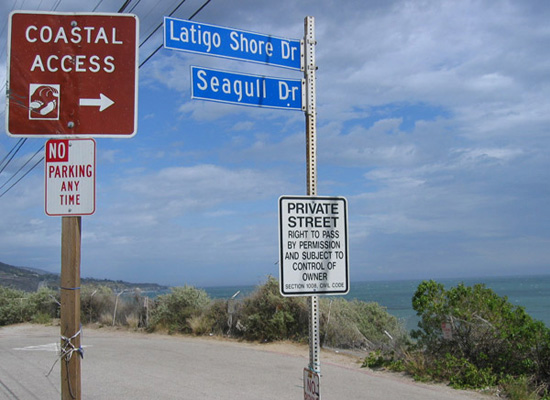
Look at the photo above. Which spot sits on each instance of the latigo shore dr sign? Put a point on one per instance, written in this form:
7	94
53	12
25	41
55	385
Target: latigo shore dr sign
231	43
72	74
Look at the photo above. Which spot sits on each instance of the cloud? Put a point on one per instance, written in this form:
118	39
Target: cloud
193	214
432	119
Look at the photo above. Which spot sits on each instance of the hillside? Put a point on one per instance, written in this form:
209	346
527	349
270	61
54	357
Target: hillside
30	279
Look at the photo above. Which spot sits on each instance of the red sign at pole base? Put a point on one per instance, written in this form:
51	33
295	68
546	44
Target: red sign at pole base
72	74
312	390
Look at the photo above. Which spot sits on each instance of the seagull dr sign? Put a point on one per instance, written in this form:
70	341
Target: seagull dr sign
72	74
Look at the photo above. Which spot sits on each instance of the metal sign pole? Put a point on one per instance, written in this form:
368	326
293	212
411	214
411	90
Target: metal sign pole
311	149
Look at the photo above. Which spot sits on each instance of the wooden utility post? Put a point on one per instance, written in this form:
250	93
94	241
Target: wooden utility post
71	228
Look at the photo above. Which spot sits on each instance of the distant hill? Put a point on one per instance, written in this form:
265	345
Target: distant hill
30	279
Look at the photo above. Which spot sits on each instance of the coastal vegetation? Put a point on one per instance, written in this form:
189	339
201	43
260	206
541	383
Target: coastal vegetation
472	338
468	336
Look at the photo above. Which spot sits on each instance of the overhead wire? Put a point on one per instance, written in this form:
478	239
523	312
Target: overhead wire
160	47
199	10
20	168
134	6
97	5
160	25
19	180
4	47
13	148
56	5
22	141
123	7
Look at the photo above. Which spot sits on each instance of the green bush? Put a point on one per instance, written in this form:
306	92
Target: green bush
383	359
491	338
520	388
44	305
357	324
131	309
17	306
173	310
218	317
462	373
13	309
266	315
95	301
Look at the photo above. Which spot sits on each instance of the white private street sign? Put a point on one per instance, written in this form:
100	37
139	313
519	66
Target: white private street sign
313	245
70	177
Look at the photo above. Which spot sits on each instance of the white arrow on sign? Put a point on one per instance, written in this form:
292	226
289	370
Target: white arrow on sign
103	102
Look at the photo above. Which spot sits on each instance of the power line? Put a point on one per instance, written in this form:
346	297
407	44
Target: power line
135	5
160	47
7	155
23	166
3	29
19	180
56	5
121	9
200	9
160	25
22	141
97	5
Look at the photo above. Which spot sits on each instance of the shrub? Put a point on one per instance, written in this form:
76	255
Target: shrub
357	324
105	319
12	307
17	306
96	302
491	338
132	321
44	305
266	315
218	316
339	327
520	388
172	311
200	324
130	309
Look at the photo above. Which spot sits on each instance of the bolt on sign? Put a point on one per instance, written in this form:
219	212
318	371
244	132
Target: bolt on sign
72	74
313	245
70	177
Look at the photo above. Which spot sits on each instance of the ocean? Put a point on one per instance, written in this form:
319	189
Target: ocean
530	292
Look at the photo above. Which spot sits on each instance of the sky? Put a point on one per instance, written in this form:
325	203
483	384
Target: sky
433	122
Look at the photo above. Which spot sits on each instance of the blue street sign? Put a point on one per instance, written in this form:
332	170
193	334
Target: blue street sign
245	89
219	41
